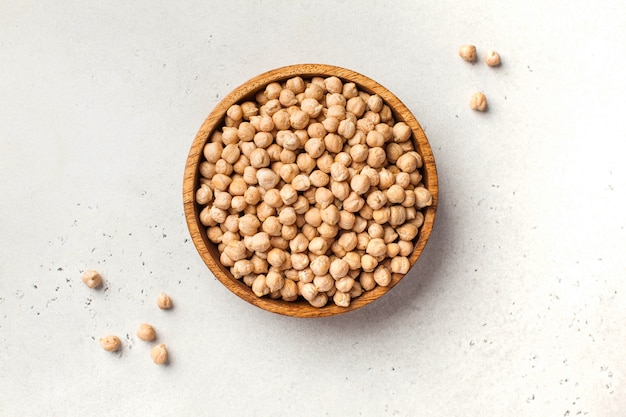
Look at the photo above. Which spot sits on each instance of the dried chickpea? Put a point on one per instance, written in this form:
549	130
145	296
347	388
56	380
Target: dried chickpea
382	276
468	53
164	302
91	278
423	197
110	343
492	58
478	102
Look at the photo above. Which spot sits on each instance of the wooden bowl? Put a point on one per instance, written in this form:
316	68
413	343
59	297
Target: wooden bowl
208	250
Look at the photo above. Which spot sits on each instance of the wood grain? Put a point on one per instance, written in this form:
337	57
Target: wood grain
208	251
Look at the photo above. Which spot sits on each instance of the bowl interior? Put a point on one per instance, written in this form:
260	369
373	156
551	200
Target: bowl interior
208	250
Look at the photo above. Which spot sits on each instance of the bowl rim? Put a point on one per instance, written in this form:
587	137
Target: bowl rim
214	120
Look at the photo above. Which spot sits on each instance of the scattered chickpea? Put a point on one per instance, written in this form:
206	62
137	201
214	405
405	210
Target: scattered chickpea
492	58
159	354
91	278
478	102
468	53
164	302
110	343
146	332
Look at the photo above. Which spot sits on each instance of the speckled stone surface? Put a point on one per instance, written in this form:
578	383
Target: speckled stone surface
517	306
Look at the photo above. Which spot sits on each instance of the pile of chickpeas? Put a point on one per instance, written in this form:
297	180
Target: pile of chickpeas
312	190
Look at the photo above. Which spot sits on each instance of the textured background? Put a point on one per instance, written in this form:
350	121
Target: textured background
517	306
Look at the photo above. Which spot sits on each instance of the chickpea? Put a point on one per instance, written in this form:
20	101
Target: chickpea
318	246
478	102
423	197
468	53
382	276
376	157
319	178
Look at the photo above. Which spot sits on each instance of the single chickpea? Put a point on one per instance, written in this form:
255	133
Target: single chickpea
207	169
287	194
344	284
348	241
299	119
363	239
259	158
278	242
356	106
349	90
91	278
336	112
400	265
288	231
330	215
324	197
375	139
318	246
220	182
403	179
401	132
231	224
346	220
260	242
346	128
360	224
305	163
235	112
237	187
246	131
353	203
359	152
337	250
319	178
287	217
468	53
263	139
333	142
324	162
478	102
320	265
267	178
406	247
241	268
248	225
272	226
313	217
397	215
218	215
259	286
316	130
407	232
276	257
385	130
375	231
333	85
382	276
407	163
365	125
274	151
492	58
323	283
314	147
367	281
376	247
340	189
223	167
215	234
206	218
300	182
224	258
331	124
289	291
288	172
372	174
376	157
308	291
368	263
230	135
338	268
423	197
301	205
376	199
212	151
314	91
360	184
341	299
287	98
110	343
327	231
395	194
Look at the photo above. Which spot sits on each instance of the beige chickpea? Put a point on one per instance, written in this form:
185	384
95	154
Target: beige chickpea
478	102
237	187
407	163
349	90
401	132
314	147
311	107
220	182
246	132
323	283
252	195
393	151
230	135
338	268
300	182
340	189
306	275
320	265
375	139
215	234
259	286
305	163
295	84
360	224
339	172
272	226
260	242
356	106
263	139
289	291
386	179
324	162
218	215
468	53
353	259
249	109
299	119
313	217
330	215
229	236
272	90
248	225
206	218
359	152
324	197
204	195
223	167
235	112
319	178
263	211
360	184
376	247
299	261
319	301
336	112
281	243
287	98
328	231
331	124
492	58
376	231
235	250
316	130
362	240
301	205
288	231
240	165
241	268
333	142
333	84
286	216
267	178
376	199
249	175
397	215
406	247
207	169
368	263
365	125
212	151
407	231
367	281
382	276
226	260
400	265
423	197
346	220
309	291
359	138
288	172
231	153
335	99
276	257
314	91
393	249
344	284
259	158
318	246
395	194
231	224
375	103
346	128
259	265
298	244
376	157
366	212
341	299
353	203
403	179
273	198
348	241
310	232
337	250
